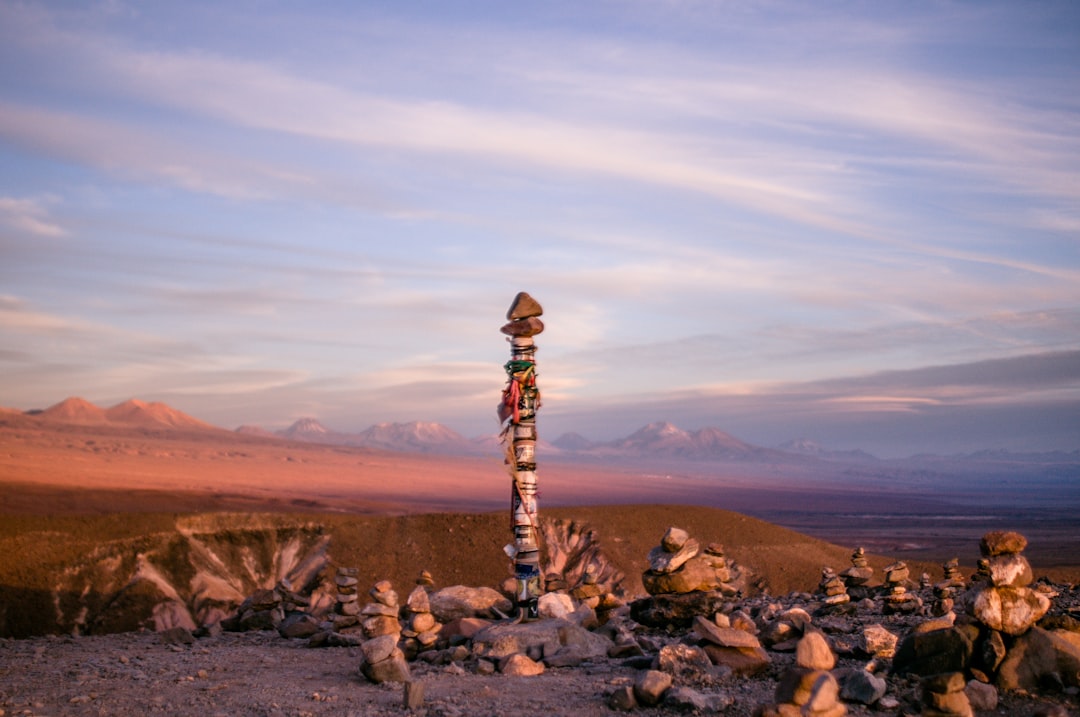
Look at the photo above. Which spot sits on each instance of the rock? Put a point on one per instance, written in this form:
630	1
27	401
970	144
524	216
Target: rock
877	641
679	659
814	690
523	306
944	695
990	651
931	653
418	600
298	624
747	661
379	648
661	610
529	326
520	665
724	636
623	699
686	699
813	652
662	561
981	696
650	686
557	605
861	686
1001	542
392	669
569	656
1010	571
1040	656
674	539
1009	610
548	636
464	628
412	695
458	601
176	636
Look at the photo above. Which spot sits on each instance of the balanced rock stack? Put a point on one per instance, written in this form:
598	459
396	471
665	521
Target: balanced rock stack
1006	604
833	588
943	696
953	577
423	629
679	565
809	689
858	575
946	590
383	660
897	598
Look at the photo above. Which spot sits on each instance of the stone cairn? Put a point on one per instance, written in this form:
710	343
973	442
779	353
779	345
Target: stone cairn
809	689
1000	597
858	576
679	565
897	598
384	661
423	628
833	589
946	590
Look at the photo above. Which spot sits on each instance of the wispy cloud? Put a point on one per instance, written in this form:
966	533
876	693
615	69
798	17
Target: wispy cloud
29	217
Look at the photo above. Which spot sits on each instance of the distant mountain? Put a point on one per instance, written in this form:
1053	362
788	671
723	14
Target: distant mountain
75	410
419	436
573	442
806	447
310	430
663	439
256	431
152	415
129	413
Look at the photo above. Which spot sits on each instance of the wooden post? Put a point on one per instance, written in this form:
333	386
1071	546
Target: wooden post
520	402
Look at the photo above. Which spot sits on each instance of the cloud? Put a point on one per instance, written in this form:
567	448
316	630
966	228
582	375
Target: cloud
28	216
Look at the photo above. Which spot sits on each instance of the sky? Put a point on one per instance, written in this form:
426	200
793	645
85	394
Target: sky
848	222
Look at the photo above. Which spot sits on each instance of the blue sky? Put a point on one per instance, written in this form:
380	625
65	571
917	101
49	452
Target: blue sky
857	223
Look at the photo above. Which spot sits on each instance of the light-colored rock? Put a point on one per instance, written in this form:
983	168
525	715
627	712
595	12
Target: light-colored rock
1009	610
548	636
557	605
1010	571
520	665
813	652
418	600
674	539
981	696
878	641
458	601
679	659
723	636
662	561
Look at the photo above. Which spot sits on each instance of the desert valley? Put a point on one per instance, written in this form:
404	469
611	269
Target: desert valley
95	501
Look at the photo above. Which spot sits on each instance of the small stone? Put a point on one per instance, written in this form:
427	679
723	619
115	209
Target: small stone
862	687
529	326
623	699
412	695
674	539
650	686
523	306
981	696
520	665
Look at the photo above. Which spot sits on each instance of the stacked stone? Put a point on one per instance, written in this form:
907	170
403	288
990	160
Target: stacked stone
809	689
346	617
679	565
898	601
588	593
945	591
422	631
943	696
384	661
381	617
858	575
1001	598
833	588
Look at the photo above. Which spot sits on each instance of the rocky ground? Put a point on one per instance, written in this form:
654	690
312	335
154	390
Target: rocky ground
260	673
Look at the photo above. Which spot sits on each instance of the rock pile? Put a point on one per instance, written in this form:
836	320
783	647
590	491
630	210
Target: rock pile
809	689
679	565
858	576
1006	604
833	589
898	600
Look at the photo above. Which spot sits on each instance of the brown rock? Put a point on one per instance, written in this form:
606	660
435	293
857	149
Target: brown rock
623	699
674	539
523	307
650	686
723	636
1002	542
530	326
747	661
665	561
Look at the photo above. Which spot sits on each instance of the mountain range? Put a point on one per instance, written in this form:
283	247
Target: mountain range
661	439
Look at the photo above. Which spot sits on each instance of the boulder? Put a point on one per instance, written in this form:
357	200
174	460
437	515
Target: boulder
1002	542
746	661
1011	610
935	652
1038	657
458	601
546	637
676	609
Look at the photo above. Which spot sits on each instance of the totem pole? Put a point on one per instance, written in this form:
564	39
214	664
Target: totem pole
520	401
